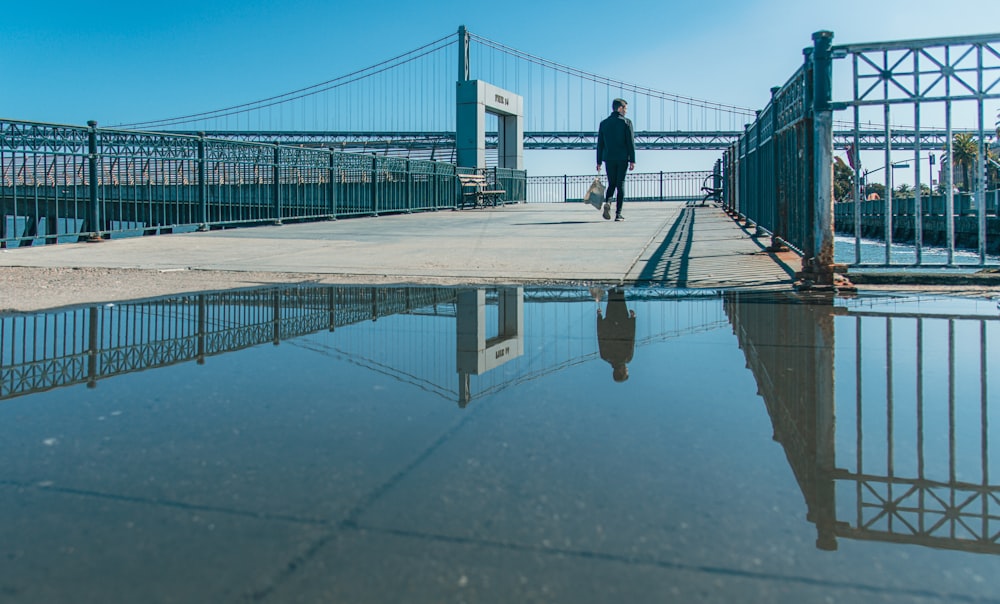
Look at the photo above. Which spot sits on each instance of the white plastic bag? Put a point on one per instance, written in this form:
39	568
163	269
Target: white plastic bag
595	194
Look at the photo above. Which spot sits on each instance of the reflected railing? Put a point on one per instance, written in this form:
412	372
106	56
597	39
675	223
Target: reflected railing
83	345
909	460
421	336
881	406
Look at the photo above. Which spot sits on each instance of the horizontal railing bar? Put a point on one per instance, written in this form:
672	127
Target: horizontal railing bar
915	44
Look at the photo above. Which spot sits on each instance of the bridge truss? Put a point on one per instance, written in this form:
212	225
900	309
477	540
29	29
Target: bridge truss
438	145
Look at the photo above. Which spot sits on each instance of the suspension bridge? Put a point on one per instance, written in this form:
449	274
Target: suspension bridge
406	105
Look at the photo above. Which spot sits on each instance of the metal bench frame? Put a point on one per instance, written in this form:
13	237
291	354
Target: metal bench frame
480	195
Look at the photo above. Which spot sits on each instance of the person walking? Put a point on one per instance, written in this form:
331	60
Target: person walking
616	150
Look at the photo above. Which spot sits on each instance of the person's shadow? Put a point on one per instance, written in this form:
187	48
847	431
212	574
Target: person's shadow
616	333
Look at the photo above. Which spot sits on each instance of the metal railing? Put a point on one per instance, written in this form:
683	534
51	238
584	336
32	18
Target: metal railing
920	85
771	170
783	174
68	183
933	225
639	186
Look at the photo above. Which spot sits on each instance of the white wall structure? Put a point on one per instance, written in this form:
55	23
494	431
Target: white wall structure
475	99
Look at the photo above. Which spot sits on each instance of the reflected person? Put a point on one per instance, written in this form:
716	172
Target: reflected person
616	334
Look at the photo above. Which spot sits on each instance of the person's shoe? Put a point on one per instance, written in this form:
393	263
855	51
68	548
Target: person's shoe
619	218
607	211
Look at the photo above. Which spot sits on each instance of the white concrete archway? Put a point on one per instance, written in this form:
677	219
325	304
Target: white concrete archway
475	99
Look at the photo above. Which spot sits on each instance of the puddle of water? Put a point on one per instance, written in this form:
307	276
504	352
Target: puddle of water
430	444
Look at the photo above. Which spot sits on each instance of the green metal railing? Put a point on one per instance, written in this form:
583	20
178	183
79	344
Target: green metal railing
780	174
771	170
69	183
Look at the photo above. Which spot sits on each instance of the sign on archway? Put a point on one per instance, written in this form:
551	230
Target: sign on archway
475	99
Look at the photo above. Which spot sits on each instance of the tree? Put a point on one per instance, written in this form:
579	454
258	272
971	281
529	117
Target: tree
843	180
965	156
903	191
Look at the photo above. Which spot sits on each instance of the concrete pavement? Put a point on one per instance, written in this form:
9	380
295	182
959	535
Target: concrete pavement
665	243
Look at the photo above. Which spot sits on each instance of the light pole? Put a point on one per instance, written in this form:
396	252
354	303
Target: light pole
930	175
895	164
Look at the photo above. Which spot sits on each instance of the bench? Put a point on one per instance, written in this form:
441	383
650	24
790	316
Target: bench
475	190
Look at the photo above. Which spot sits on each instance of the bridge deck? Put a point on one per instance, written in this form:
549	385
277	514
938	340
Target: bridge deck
666	243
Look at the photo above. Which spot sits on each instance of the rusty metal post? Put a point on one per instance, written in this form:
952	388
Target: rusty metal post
817	264
822	253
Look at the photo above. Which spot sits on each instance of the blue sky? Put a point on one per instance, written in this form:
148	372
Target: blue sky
67	62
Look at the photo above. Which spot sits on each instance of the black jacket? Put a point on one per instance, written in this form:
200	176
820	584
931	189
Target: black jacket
616	139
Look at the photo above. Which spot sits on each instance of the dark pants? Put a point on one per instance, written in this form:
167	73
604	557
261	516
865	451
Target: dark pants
616	182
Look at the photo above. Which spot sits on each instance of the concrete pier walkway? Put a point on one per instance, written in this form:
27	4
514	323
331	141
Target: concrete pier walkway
668	244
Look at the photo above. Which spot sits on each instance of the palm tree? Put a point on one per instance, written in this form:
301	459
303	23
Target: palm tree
903	191
965	155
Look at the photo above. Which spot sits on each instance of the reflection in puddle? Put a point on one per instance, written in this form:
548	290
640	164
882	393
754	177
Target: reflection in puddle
357	443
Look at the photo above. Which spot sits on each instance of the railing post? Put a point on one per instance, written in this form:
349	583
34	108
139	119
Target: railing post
434	187
202	329
93	341
725	171
276	317
94	209
374	185
276	184
202	184
332	186
780	227
818	259
760	203
565	188
409	187
331	300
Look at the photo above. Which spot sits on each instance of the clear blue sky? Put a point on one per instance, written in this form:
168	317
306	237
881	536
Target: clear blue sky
67	62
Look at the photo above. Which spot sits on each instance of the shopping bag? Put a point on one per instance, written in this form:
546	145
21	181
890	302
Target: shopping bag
595	194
